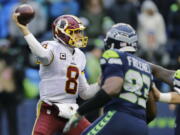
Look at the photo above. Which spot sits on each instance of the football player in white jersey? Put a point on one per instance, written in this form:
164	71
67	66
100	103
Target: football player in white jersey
61	73
62	78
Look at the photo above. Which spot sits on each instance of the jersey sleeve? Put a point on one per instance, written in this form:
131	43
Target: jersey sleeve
47	60
83	60
47	45
37	49
112	64
85	90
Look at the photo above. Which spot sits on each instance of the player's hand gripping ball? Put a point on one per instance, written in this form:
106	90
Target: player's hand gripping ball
26	13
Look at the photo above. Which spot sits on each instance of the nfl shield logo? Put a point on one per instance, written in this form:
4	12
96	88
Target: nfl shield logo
62	56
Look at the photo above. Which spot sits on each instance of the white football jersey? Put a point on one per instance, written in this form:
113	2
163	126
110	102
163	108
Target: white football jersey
60	79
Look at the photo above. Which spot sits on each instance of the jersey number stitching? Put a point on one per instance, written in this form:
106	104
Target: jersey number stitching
138	86
136	81
71	83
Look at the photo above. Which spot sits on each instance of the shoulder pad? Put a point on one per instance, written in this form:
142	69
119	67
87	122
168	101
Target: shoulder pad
177	74
110	54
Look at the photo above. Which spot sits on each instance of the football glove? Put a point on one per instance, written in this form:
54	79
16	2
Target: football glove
73	122
176	81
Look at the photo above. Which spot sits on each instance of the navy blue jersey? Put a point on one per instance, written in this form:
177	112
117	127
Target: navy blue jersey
117	123
137	77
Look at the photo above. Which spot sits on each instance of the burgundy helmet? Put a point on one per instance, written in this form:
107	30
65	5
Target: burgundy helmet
64	28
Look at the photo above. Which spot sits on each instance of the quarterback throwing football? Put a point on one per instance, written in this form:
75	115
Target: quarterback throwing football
61	71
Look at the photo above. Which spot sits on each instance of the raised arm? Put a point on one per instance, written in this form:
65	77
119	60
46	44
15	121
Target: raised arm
36	48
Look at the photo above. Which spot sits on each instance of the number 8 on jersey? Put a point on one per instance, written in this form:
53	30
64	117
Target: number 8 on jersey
72	76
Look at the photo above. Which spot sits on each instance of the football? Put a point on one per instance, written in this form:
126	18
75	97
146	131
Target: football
26	13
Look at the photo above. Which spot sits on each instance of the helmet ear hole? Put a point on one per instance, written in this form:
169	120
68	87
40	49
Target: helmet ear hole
63	24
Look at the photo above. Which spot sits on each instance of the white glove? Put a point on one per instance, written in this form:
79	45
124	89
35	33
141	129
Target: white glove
73	122
66	110
176	81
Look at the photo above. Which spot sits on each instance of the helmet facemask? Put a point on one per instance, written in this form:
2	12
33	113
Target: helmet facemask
75	40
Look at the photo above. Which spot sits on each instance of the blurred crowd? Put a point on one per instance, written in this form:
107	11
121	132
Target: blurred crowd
157	23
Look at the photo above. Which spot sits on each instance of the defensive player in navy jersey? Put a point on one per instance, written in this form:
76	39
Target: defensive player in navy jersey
126	88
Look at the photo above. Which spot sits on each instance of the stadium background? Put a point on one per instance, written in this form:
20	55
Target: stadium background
158	27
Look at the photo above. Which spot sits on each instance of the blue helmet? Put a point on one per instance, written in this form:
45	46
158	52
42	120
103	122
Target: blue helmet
121	36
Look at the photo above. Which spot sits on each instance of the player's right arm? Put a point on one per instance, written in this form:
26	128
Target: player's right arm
45	56
169	97
162	74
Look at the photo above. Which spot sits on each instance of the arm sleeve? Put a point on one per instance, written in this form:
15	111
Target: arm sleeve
87	91
100	99
44	55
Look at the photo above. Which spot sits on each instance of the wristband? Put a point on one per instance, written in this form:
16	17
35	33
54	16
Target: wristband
165	97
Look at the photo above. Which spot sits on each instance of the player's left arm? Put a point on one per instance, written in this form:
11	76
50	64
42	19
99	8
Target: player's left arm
87	91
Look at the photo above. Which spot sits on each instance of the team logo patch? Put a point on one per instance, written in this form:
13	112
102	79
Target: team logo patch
62	56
